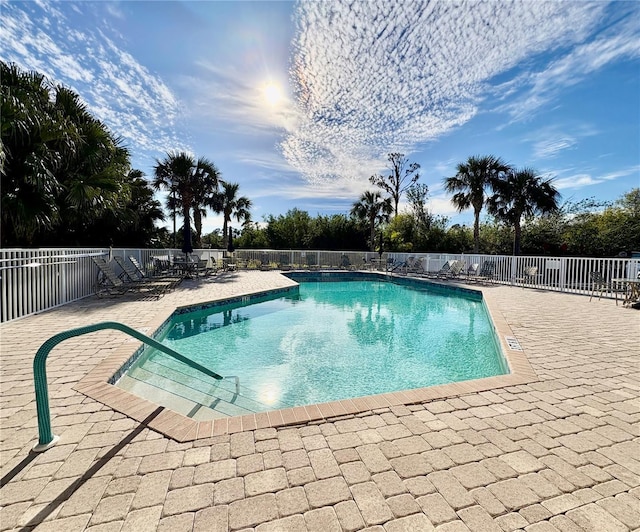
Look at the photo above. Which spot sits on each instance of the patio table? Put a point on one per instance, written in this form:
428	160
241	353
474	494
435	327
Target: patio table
186	268
229	264
630	289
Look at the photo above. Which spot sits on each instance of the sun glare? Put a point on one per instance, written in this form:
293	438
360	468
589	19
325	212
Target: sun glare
270	394
272	93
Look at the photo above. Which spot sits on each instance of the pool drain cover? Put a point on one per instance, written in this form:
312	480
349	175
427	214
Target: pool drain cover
513	344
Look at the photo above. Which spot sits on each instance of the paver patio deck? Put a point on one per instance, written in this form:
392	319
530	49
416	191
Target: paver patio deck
560	453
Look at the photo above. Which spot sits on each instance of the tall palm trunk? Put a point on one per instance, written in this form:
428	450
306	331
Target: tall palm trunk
517	236
185	217
173	192
372	238
476	232
197	226
225	230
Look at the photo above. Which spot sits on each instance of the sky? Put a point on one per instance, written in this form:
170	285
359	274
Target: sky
301	102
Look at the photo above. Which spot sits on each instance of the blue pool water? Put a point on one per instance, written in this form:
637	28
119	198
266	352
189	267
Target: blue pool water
335	340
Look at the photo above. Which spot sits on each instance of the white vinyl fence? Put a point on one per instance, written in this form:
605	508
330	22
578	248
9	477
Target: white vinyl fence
34	280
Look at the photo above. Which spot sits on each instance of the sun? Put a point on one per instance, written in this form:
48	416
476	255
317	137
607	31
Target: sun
272	93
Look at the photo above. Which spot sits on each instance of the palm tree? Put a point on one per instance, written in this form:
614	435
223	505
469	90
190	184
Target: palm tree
469	184
372	208
60	166
34	141
93	177
522	193
230	205
143	210
204	194
185	179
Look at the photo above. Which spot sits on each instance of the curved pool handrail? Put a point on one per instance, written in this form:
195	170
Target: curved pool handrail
46	439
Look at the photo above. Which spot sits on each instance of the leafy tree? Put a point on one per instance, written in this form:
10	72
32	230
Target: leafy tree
495	237
289	231
253	237
630	202
468	186
205	193
457	239
402	175
62	169
131	223
336	232
522	193
231	206
34	139
372	209
213	239
94	176
617	227
417	195
401	233
142	212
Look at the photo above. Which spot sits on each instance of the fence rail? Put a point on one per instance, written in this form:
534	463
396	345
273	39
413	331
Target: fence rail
35	280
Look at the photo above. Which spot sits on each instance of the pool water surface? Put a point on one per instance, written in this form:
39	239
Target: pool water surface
334	340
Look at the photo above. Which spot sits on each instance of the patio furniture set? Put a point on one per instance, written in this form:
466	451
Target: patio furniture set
628	288
162	276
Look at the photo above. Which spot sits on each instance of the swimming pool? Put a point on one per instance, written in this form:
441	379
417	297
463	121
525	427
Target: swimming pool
326	341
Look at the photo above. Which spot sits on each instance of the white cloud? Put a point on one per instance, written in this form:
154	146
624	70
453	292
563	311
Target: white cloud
582	180
618	42
367	77
551	141
134	103
552	147
371	77
442	205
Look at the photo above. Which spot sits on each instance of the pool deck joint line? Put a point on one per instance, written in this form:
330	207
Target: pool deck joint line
558	449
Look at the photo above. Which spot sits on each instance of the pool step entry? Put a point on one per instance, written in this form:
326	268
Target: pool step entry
176	386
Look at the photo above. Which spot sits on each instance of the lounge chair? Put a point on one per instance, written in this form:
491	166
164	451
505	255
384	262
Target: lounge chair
201	266
132	273
415	265
162	266
345	263
265	264
472	271
229	263
457	266
111	284
487	272
442	271
397	267
285	262
213	269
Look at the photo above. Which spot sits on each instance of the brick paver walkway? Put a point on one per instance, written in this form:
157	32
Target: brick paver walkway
562	453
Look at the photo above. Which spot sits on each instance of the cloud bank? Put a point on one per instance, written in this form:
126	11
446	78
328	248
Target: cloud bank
375	76
121	92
